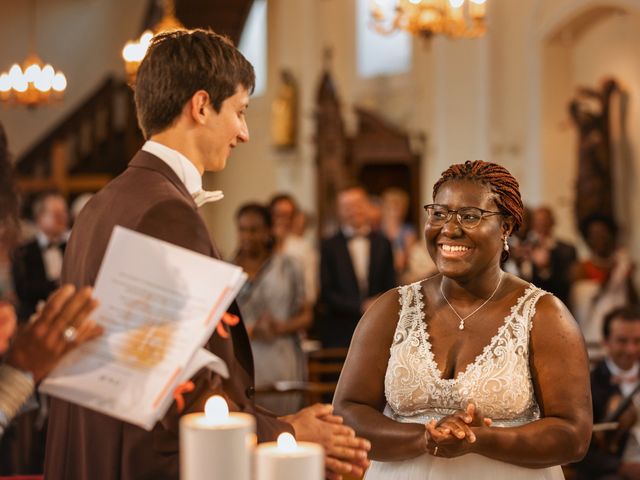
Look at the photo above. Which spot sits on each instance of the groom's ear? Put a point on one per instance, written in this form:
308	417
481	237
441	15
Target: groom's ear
197	106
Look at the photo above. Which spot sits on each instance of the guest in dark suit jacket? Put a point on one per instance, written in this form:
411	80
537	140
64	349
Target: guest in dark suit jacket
192	91
551	259
616	454
356	266
36	265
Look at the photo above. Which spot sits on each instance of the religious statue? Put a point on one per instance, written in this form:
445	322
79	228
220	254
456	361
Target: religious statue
284	112
590	112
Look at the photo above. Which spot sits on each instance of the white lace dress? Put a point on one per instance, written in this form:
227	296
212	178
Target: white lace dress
498	382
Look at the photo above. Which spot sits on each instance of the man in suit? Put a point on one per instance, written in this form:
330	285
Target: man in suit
616	454
36	265
192	92
356	266
550	258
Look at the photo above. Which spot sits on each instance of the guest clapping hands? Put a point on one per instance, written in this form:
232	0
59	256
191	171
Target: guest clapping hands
61	325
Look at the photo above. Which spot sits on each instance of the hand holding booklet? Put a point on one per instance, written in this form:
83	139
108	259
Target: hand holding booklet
159	304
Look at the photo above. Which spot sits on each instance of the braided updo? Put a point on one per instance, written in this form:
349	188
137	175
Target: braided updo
502	184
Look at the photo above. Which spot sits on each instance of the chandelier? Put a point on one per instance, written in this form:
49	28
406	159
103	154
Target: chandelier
134	51
426	18
32	83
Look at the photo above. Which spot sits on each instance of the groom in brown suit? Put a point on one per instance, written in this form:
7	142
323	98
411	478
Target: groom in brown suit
192	92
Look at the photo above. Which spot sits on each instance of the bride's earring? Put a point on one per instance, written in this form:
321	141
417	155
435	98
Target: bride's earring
506	243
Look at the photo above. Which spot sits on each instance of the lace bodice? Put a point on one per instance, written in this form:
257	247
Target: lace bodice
498	381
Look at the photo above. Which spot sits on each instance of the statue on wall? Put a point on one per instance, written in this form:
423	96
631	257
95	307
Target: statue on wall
590	111
284	113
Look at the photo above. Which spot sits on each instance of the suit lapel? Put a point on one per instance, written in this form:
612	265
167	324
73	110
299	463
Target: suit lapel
240	339
149	161
35	257
374	253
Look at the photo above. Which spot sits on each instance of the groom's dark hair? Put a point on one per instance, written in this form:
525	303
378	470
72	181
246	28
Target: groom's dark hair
178	64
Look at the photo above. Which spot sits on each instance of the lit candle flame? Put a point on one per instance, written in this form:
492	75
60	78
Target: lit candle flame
286	442
216	409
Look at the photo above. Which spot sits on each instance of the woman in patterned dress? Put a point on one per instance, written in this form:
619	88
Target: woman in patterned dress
472	373
273	306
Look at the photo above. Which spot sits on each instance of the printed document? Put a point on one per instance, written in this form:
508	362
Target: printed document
159	304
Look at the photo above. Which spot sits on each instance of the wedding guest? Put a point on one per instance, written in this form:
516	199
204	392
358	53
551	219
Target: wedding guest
602	281
419	264
356	266
273	305
302	222
401	234
615	454
285	214
459	376
36	265
552	260
191	94
61	325
374	212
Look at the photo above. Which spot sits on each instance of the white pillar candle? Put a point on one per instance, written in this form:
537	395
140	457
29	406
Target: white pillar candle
288	460
216	444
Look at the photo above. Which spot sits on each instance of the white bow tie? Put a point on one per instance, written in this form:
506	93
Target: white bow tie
203	196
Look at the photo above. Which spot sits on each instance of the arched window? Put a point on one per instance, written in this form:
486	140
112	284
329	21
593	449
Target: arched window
253	43
380	54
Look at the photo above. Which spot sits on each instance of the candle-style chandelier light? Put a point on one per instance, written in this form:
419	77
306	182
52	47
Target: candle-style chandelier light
135	50
427	18
32	83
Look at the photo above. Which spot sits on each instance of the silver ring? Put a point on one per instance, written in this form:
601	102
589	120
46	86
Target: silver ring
70	333
435	451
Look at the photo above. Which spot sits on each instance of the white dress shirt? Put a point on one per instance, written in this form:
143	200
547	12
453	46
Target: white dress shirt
51	257
185	171
359	247
628	382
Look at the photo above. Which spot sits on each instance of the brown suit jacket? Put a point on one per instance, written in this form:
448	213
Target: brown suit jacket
83	444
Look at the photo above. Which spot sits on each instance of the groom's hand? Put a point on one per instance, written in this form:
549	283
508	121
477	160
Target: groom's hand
344	452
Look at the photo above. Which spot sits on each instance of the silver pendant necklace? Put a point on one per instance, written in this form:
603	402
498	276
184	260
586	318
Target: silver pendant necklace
462	319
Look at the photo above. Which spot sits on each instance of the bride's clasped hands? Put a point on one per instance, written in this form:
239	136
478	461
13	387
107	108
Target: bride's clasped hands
455	434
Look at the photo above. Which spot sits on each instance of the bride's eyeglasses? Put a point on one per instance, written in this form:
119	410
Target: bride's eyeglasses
468	217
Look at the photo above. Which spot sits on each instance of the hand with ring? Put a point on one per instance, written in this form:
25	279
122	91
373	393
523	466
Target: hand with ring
58	327
454	434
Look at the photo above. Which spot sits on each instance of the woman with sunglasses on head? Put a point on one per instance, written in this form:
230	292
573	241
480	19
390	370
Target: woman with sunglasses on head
471	373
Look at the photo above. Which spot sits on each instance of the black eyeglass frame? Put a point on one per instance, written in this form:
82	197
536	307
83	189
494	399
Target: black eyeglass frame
451	212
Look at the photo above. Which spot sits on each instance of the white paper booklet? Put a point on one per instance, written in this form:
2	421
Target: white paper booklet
159	304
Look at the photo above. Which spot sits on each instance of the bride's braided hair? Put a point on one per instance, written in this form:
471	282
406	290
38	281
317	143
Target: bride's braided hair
502	183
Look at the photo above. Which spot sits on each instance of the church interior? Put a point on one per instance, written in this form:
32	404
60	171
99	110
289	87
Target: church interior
549	89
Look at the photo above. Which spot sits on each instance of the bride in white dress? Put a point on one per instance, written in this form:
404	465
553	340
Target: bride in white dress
472	373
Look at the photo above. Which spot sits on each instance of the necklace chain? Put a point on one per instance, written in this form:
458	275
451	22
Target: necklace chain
462	319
